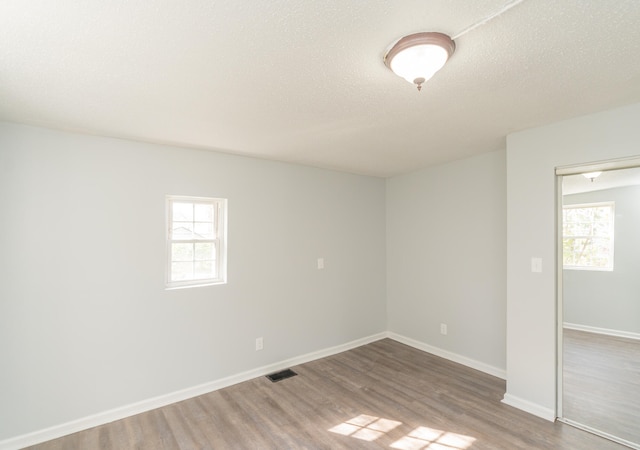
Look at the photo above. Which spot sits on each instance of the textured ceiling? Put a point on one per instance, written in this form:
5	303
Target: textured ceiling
303	81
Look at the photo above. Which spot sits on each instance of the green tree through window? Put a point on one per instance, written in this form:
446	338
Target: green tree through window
587	236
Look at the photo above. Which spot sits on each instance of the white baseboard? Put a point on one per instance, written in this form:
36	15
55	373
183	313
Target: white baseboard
469	362
607	331
102	418
194	391
530	407
516	402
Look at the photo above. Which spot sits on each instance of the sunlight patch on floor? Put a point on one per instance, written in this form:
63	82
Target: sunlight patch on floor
432	439
366	428
370	428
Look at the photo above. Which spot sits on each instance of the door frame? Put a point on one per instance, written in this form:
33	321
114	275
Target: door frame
560	172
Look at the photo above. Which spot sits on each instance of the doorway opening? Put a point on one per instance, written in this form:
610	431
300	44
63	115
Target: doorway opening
599	298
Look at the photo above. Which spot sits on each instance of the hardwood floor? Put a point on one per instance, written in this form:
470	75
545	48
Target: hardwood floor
602	383
381	395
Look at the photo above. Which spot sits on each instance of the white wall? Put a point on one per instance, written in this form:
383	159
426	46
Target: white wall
85	322
86	325
446	240
532	157
608	299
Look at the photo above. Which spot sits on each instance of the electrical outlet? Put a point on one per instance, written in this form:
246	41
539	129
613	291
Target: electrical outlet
259	343
443	328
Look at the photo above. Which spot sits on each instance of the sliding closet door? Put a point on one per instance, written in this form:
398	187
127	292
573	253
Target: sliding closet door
600	303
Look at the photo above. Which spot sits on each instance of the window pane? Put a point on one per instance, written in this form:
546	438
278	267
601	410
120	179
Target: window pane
571	250
203	230
587	252
602	213
182	212
602	229
203	213
182	230
204	269
205	251
182	252
601	255
181	271
582	252
582	229
569	228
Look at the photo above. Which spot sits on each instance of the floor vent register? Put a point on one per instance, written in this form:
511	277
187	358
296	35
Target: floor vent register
282	375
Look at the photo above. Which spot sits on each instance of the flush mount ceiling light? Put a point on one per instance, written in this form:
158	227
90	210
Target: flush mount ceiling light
591	175
417	57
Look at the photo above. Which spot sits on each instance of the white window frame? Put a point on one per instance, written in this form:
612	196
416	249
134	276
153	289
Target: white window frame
218	239
611	204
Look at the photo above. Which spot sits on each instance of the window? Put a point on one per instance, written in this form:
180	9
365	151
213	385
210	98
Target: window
196	247
587	236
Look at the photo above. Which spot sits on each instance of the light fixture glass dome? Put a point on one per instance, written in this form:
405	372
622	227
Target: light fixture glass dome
591	175
417	57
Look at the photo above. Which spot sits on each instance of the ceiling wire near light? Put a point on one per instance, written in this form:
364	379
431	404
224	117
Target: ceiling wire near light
506	7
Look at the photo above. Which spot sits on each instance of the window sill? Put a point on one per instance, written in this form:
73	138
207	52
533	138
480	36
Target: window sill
187	286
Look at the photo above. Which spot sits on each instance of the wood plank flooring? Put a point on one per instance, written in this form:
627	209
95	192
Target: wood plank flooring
381	395
601	383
